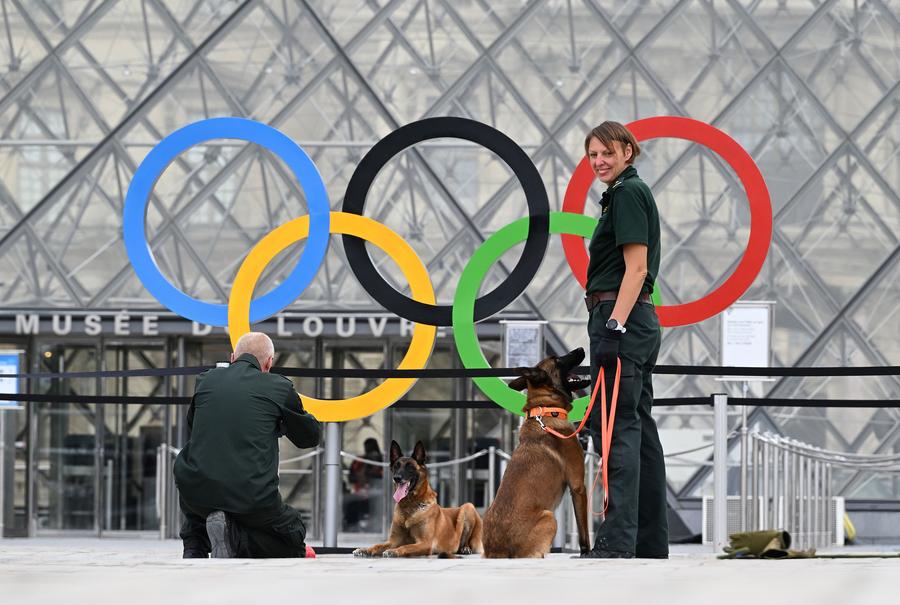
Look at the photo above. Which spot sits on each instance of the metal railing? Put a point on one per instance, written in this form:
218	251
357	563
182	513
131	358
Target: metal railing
788	488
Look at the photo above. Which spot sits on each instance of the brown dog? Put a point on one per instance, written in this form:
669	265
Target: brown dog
421	527
520	522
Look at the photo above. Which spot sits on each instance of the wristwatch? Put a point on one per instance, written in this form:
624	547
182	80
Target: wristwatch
614	325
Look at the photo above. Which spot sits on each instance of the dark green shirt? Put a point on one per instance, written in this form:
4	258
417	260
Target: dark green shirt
230	461
628	216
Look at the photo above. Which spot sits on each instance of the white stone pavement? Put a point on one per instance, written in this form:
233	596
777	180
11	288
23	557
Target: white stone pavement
75	571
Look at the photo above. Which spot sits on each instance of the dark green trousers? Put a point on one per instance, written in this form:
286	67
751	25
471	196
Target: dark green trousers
636	518
271	532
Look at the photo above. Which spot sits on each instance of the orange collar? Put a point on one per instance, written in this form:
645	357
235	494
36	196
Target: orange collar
542	411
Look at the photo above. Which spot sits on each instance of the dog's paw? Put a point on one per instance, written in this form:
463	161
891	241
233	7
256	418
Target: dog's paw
465	550
361	552
389	554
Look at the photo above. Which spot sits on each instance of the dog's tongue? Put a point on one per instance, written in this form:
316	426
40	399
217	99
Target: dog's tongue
401	491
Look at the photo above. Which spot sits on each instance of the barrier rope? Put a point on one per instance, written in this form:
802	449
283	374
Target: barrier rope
305	456
741	371
462	373
454	461
477	454
441	403
364	460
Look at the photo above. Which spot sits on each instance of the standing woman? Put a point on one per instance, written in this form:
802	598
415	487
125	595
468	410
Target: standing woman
624	261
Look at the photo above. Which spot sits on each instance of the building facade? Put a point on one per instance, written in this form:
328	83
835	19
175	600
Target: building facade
810	89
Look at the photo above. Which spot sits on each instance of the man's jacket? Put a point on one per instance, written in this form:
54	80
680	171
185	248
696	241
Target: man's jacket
237	414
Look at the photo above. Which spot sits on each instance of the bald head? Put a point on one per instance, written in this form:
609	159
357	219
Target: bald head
259	345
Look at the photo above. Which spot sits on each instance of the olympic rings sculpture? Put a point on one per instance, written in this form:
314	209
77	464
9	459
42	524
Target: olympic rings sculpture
468	307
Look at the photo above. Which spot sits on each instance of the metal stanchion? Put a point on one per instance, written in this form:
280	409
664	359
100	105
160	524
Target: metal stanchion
492	481
108	495
3	464
830	517
752	455
777	515
744	445
317	497
787	473
720	471
332	482
810	494
766	477
163	484
802	518
811	501
817	482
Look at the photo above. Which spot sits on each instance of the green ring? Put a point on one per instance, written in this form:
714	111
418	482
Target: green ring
467	291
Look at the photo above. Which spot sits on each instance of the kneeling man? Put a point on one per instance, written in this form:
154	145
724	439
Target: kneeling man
227	472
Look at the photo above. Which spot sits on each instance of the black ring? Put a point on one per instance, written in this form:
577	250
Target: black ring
514	157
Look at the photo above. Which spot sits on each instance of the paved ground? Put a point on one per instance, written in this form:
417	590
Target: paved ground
75	571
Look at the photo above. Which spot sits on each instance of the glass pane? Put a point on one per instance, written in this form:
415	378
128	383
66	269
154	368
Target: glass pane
133	434
65	452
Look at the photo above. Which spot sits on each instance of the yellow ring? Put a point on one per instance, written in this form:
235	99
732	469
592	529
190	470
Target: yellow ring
423	336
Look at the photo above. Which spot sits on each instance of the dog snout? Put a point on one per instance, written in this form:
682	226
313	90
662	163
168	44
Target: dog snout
398	478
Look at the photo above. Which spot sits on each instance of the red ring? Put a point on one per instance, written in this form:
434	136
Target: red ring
760	215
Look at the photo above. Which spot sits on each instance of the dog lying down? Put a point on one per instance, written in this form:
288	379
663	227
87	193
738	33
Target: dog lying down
520	522
420	527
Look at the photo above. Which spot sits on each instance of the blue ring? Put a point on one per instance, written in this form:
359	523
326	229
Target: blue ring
145	177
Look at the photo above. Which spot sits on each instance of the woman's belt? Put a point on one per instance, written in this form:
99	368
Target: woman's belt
593	299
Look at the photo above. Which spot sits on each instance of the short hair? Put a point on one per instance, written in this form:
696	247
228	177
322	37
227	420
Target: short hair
257	344
607	132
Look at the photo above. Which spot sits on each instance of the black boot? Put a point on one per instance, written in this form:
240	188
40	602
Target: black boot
602	553
655	556
194	553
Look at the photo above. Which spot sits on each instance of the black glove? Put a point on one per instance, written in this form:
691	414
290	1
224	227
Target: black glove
608	350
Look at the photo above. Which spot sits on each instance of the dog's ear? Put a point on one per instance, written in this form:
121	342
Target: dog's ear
532	376
518	384
396	452
419	453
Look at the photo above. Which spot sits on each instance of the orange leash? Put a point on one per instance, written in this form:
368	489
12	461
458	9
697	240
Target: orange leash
606	428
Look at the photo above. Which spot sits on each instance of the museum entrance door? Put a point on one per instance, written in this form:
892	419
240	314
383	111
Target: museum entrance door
92	468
